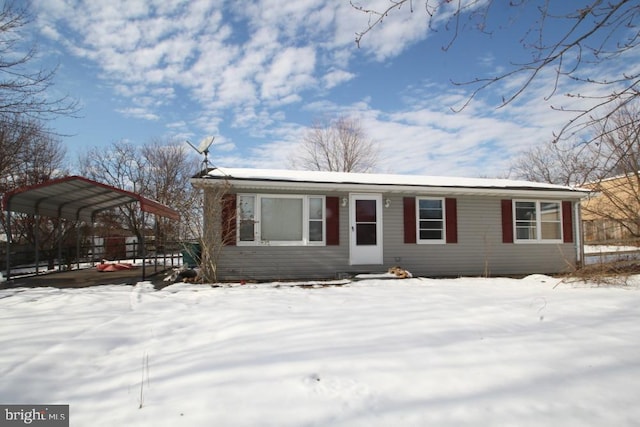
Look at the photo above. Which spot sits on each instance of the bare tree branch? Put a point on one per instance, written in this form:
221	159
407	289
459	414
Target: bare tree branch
30	154
340	145
609	165
159	170
567	39
23	90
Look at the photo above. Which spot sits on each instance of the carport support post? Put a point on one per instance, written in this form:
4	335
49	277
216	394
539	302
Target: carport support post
36	234
92	233
156	243
59	244
77	244
144	251
8	240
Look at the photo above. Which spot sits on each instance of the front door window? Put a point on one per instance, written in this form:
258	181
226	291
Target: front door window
366	221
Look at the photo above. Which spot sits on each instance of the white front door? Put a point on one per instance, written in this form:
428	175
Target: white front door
365	224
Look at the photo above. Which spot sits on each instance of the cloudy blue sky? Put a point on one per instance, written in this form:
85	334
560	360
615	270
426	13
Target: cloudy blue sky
256	74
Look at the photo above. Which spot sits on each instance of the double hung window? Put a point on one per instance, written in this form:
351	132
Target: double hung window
431	220
281	219
538	221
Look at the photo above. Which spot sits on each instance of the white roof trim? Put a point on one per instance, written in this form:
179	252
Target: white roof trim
343	181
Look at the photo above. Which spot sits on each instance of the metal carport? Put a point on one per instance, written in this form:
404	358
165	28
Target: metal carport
74	198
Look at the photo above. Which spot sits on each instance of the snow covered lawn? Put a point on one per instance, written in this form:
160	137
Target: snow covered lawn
415	352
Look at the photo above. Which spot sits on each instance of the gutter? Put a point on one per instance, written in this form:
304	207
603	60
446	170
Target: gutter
245	184
579	233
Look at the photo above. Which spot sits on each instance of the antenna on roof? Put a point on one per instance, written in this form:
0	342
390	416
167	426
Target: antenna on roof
203	148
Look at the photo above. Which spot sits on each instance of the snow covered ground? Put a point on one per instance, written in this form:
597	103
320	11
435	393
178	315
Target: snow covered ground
414	352
607	249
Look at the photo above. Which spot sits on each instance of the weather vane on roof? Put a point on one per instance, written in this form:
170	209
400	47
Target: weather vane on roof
203	148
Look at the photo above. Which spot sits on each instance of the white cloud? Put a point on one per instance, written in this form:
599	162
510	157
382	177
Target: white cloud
176	125
290	71
429	138
335	77
225	56
140	113
248	65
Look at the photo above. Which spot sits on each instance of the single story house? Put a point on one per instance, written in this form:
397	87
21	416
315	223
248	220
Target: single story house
283	224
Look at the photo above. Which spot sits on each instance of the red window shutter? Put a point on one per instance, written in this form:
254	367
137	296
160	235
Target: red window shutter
409	204
332	205
567	222
451	211
228	218
507	221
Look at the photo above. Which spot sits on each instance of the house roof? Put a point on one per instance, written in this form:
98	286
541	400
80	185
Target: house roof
75	197
273	178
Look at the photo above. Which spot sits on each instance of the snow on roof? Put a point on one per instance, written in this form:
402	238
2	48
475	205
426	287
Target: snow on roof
321	177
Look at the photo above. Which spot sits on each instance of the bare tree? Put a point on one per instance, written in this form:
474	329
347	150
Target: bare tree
619	137
24	91
15	137
565	38
171	165
219	230
120	165
340	145
615	152
159	170
615	204
559	163
30	155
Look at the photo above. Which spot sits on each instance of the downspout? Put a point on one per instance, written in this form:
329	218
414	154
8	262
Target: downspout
579	231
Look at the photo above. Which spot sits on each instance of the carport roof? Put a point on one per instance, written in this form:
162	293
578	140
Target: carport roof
76	197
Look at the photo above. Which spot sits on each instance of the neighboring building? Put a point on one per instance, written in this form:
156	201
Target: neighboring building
611	213
115	247
301	225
